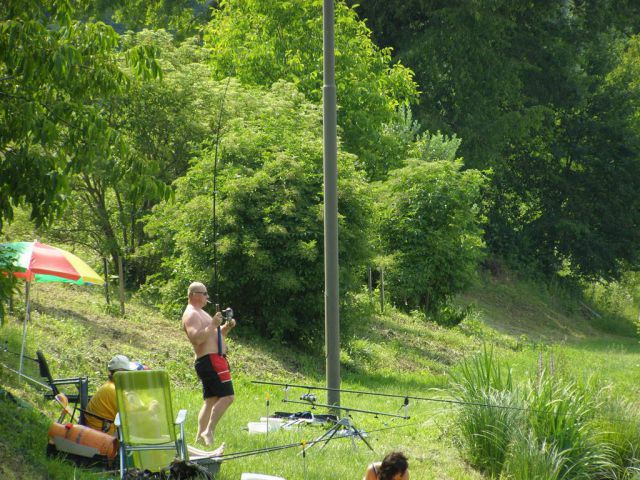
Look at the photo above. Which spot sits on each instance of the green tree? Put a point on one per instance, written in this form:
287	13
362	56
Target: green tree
430	225
263	42
183	18
163	124
568	198
264	254
56	74
526	87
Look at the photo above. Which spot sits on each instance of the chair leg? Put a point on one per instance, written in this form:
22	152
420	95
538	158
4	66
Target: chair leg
182	447
122	462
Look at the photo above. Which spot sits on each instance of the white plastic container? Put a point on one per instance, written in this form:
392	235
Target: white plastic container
263	427
274	420
259	476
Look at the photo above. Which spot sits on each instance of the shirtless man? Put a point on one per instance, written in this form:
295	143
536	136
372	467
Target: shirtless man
207	337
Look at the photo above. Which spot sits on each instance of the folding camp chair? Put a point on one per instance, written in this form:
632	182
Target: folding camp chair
79	399
146	428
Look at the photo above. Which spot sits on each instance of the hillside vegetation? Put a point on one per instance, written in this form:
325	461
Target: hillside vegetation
390	352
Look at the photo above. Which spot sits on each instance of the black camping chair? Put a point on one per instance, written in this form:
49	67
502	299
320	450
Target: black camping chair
79	399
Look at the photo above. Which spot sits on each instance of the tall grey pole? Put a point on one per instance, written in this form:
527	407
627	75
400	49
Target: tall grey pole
330	151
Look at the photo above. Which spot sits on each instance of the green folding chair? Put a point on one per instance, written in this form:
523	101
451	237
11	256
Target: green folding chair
145	423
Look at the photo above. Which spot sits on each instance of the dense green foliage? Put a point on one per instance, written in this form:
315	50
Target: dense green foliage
534	91
182	18
429	225
53	72
262	42
543	98
268	248
163	123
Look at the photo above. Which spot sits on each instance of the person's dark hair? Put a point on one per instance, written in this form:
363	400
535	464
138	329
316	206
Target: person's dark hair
393	464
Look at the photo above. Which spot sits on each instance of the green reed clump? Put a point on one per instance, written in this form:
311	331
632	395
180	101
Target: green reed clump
486	429
490	411
530	459
560	414
544	429
618	424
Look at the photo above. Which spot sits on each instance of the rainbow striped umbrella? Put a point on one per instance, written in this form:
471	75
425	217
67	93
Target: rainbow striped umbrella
37	262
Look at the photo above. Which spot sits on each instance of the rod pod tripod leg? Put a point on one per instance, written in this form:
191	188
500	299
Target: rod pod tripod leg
346	424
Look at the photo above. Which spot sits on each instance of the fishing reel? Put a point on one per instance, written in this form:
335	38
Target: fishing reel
308	397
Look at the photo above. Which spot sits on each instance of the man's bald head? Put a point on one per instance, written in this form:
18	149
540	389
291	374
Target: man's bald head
195	288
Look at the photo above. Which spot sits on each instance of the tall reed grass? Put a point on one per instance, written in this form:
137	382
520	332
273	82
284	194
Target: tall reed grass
547	428
489	413
528	458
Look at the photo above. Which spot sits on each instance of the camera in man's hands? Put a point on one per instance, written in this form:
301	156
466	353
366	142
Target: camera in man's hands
227	314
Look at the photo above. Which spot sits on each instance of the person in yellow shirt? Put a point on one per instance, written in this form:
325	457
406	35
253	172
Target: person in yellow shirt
102	408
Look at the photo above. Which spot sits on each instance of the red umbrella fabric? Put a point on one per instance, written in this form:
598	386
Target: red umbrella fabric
35	261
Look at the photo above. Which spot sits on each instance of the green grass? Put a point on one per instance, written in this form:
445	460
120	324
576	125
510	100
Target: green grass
393	353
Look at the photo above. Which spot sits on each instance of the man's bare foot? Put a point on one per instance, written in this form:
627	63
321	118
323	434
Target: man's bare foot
207	440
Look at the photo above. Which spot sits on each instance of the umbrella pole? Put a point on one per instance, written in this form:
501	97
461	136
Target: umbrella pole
27	318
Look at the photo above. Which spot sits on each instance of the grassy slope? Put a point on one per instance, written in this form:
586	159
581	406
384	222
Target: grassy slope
390	353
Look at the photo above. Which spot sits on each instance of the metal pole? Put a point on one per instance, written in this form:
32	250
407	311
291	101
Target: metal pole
330	154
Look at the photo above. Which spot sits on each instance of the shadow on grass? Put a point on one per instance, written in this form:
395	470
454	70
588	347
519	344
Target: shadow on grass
624	345
119	330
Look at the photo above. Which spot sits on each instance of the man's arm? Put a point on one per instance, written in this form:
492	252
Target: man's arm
195	331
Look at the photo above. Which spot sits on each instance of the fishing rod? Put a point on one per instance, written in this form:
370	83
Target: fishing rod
215	192
343	390
391	395
4	347
346	409
428	399
27	377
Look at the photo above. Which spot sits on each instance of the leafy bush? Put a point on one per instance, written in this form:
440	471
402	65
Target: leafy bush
430	226
269	245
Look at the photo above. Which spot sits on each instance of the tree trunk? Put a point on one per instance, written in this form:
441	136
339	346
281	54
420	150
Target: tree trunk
370	283
121	284
105	262
382	290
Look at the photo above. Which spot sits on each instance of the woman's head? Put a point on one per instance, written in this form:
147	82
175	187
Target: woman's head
394	467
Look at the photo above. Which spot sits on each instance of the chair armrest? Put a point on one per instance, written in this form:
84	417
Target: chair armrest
182	416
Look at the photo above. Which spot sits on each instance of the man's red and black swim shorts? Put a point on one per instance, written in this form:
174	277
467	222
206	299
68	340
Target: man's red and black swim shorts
213	370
